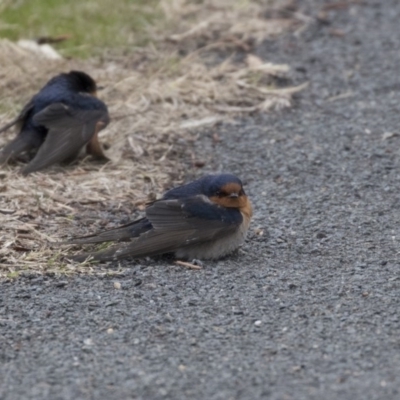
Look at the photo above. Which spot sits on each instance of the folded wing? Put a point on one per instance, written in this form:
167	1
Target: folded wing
122	233
176	224
68	131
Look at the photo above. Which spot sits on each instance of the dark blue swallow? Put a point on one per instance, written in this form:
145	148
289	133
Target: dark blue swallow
205	219
59	120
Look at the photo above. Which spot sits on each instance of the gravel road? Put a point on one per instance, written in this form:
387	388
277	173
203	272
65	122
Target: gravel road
308	309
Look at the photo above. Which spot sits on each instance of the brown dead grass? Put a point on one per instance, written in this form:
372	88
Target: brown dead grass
159	99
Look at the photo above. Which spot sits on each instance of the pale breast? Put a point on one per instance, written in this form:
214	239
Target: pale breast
218	247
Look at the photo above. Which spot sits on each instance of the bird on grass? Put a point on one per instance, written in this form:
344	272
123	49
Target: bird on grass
58	121
205	219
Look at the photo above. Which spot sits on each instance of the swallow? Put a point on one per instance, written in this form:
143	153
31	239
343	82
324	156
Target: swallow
57	122
205	219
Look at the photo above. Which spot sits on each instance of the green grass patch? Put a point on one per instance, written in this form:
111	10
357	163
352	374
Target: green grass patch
13	275
92	24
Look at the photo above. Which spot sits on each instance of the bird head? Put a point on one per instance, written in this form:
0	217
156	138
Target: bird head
226	190
82	82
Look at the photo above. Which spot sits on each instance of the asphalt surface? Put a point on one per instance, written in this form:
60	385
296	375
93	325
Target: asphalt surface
306	310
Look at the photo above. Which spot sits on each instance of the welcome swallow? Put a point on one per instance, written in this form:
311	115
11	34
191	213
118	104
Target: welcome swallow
57	122
205	219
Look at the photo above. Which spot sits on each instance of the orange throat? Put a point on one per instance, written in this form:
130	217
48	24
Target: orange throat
242	203
247	209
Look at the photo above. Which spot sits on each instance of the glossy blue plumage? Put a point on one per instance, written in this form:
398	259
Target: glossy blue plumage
198	208
208	185
60	89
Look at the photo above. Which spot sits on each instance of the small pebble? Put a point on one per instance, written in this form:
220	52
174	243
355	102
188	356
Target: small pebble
117	285
259	231
257	323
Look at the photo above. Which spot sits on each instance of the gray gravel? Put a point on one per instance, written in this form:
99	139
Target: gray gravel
308	310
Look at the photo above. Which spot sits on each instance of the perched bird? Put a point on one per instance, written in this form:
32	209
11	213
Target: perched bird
204	219
57	122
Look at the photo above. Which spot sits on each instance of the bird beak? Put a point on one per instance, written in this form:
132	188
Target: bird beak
233	195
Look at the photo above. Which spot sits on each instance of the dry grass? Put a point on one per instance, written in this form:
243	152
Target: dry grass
160	98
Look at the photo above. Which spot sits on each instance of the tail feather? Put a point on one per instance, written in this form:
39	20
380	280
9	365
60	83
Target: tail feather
9	125
149	244
104	255
124	232
14	148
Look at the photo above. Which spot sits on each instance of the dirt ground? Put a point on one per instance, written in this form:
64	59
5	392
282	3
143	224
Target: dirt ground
198	71
308	308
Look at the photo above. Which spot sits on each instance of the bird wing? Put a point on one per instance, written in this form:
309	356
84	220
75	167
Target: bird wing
20	118
69	130
176	223
124	232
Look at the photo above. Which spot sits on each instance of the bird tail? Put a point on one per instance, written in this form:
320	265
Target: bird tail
14	148
10	124
149	244
104	255
122	233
